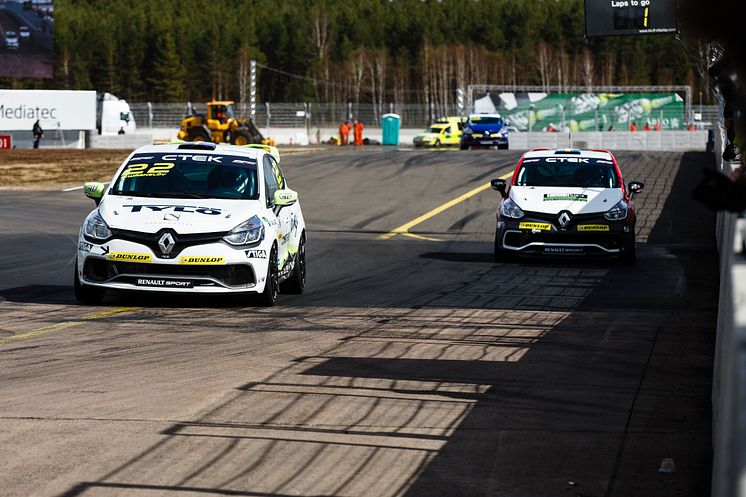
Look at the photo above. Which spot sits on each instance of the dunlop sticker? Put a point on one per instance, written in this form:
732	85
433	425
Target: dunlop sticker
189	259
593	227
129	257
535	226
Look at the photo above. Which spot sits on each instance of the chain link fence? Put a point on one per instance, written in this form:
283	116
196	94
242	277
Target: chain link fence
330	115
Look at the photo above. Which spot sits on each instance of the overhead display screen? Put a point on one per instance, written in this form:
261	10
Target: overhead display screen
26	38
629	17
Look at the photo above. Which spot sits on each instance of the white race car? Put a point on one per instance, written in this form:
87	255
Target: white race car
566	202
193	218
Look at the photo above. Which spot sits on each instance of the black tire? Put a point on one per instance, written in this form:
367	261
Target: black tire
272	287
90	295
503	147
628	257
241	137
296	283
437	143
502	255
464	146
199	134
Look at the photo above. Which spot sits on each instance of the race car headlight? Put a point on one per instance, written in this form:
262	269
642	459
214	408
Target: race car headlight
96	228
618	212
467	130
510	209
246	233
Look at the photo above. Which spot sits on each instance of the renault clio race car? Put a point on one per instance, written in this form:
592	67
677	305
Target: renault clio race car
193	218
566	202
485	130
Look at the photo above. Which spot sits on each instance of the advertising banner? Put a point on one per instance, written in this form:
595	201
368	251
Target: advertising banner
585	112
55	109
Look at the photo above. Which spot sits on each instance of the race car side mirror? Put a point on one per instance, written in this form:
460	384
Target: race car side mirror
94	191
635	187
285	197
500	185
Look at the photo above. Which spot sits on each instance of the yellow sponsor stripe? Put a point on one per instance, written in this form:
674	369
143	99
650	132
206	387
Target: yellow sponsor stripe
201	259
534	226
129	256
404	228
593	227
19	337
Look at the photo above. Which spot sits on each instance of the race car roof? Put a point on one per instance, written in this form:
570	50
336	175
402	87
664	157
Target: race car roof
590	154
472	116
183	147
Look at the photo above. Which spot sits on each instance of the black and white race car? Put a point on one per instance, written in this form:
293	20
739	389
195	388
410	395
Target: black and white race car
566	202
193	218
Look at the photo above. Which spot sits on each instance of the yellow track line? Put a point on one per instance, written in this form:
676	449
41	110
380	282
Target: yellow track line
61	326
404	228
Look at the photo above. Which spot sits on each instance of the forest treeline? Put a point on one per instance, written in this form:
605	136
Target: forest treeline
375	51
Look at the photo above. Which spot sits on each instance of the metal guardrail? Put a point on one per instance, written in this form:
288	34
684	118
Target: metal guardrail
302	115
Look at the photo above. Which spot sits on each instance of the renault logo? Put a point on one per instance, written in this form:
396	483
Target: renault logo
166	243
564	219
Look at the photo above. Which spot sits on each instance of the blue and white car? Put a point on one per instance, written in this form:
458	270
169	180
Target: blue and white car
193	218
485	130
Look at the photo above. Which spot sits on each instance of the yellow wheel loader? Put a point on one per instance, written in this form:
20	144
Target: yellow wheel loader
220	125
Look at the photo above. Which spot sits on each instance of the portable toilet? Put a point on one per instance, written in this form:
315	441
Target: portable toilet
390	124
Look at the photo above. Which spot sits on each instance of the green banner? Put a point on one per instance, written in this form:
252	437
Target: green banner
586	112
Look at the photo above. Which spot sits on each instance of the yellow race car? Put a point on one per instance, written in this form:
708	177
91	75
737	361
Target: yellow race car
444	132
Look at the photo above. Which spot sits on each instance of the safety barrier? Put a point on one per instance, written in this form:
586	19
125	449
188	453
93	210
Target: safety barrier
729	376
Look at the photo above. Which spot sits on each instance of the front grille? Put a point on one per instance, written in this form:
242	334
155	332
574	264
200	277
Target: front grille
182	242
236	275
611	241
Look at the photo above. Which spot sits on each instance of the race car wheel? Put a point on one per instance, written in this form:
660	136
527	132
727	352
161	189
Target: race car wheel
437	143
503	147
272	287
464	146
297	281
199	134
629	255
90	295
241	137
502	255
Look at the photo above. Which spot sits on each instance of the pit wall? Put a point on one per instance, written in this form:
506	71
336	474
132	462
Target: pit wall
729	376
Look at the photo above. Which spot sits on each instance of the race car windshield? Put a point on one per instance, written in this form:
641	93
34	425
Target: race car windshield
180	175
568	172
487	120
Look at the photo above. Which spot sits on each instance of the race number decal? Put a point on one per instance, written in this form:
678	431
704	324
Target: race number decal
147	170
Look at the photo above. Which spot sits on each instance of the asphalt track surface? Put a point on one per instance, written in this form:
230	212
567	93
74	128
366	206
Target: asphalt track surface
410	367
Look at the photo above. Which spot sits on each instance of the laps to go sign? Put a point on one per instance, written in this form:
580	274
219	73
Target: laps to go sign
629	17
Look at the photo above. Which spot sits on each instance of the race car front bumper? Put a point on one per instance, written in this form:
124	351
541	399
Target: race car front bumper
212	267
584	235
482	140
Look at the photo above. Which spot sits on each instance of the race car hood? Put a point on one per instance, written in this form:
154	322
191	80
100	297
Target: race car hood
185	216
481	128
551	200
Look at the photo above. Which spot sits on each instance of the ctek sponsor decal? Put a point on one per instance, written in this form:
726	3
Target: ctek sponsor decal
572	197
256	254
535	226
196	260
573	160
129	257
593	227
210	211
194	158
